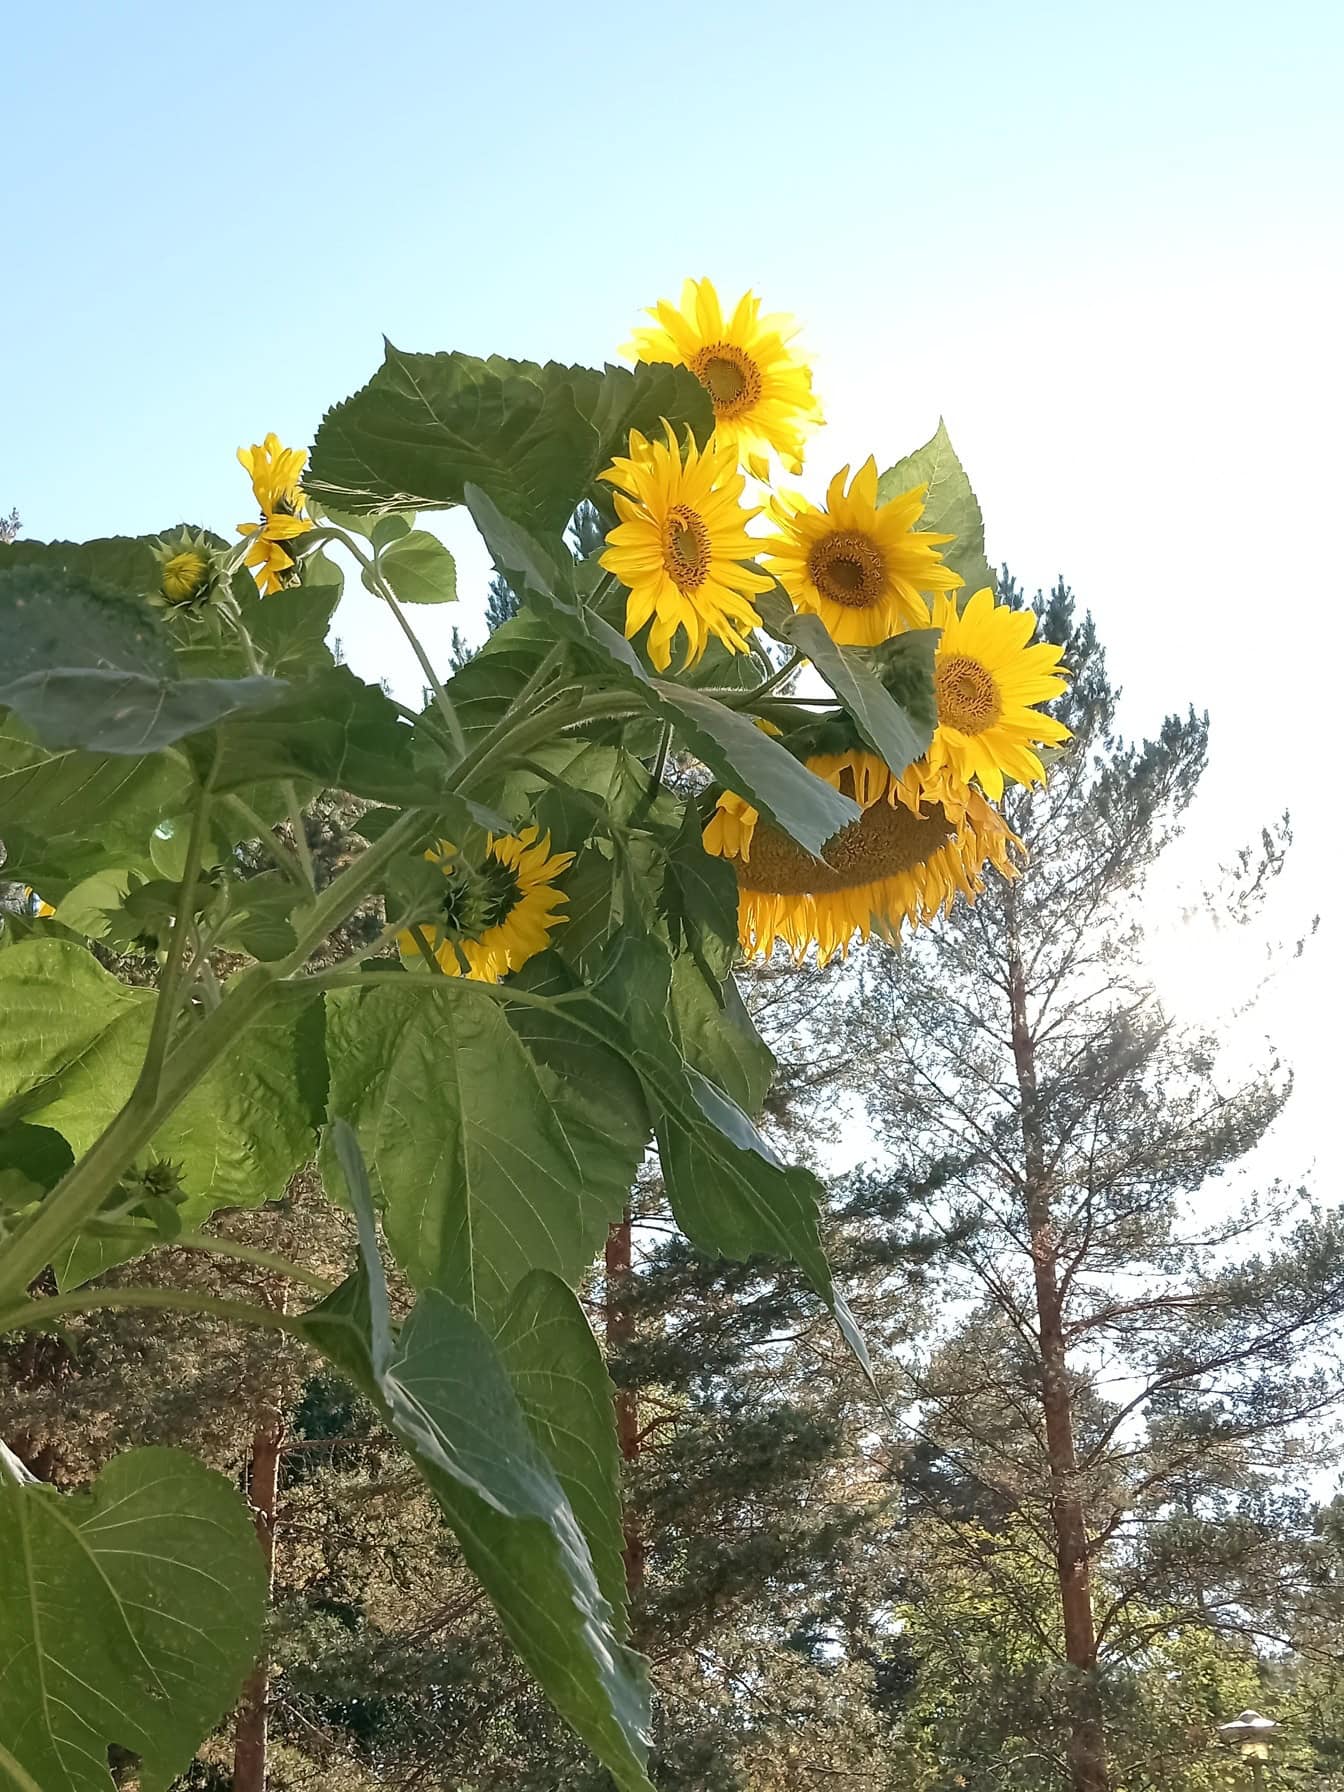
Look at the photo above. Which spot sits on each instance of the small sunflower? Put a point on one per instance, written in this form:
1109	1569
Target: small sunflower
679	545
859	565
275	473
190	572
496	914
905	860
761	391
987	674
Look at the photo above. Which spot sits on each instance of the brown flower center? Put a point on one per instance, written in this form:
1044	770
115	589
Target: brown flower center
848	568
685	547
886	840
731	377
967	695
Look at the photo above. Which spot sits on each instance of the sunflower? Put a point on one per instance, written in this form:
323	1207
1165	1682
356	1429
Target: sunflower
860	565
679	545
496	914
987	674
275	472
904	860
760	390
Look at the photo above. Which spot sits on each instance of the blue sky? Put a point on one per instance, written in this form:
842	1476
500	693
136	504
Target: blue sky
1103	241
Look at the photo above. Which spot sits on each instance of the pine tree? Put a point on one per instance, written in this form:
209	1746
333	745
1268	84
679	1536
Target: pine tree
1064	1137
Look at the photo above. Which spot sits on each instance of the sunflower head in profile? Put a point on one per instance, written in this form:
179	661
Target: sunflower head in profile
680	545
496	913
987	676
760	390
275	472
861	565
905	859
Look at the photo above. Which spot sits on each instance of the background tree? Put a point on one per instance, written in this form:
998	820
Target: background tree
1138	1358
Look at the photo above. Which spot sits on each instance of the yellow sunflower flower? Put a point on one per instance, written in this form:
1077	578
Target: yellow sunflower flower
275	473
679	545
987	674
859	565
761	391
496	914
905	860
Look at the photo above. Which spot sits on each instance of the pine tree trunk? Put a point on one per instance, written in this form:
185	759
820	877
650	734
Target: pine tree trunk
1087	1741
249	1736
620	1326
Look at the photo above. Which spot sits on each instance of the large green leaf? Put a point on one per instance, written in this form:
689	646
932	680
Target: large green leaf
85	667
477	1175
729	1190
74	813
717	1035
897	735
72	1045
128	1615
951	506
561	1382
330	728
426	426
126	561
533	437
289	627
749	762
479	1439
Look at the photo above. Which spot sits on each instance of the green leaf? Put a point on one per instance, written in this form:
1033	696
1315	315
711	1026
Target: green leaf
476	1176
426	426
388	529
477	1439
419	569
561	1382
130	1615
728	1188
745	758
85	667
83	811
896	735
70	1050
718	1037
289	628
950	508
126	561
330	728
619	399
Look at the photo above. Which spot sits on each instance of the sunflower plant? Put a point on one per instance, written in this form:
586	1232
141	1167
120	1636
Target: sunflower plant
544	992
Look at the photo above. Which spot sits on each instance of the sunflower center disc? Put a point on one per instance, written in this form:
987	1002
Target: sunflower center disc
847	568
685	547
968	698
732	378
886	840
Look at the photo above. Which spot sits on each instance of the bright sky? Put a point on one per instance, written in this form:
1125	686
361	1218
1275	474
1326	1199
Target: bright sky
1103	241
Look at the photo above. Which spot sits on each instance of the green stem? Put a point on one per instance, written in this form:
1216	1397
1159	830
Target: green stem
288	861
175	1300
246	1253
384	590
165	1009
776	679
664	748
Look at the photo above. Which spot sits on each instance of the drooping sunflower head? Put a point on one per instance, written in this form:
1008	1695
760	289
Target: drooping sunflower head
987	677
761	391
905	859
680	545
275	472
861	565
497	911
191	572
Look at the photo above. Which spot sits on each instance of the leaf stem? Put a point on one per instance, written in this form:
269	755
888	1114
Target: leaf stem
767	685
288	861
175	1300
